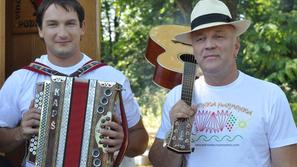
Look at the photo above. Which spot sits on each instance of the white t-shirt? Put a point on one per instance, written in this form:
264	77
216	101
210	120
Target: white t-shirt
235	124
19	89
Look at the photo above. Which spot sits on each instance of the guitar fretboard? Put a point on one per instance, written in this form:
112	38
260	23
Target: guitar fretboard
188	82
180	139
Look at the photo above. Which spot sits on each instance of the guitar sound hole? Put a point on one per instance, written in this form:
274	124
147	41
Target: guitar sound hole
188	58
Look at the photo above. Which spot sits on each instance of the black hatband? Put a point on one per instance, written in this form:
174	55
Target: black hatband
210	18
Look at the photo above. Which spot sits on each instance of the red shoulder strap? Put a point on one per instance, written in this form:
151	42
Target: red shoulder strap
124	145
46	70
87	67
42	69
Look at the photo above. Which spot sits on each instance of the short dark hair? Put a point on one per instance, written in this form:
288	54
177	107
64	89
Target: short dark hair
66	4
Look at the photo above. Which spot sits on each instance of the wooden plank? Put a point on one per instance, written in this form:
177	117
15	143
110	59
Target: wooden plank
2	42
90	43
23	48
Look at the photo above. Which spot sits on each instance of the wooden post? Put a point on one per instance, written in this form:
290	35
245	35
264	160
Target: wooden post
2	42
90	42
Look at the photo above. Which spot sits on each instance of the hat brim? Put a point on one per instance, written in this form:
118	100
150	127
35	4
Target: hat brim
240	26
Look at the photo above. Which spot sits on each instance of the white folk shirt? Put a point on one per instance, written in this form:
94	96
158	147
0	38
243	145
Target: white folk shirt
235	125
19	89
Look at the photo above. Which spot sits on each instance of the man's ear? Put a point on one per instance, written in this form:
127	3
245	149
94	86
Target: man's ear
83	27
237	44
237	47
40	32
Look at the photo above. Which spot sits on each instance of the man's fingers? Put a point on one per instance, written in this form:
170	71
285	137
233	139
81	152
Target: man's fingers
33	123
113	133
115	118
31	104
194	107
181	110
112	130
31	115
113	144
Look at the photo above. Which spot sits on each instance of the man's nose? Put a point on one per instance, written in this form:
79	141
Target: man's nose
209	43
62	32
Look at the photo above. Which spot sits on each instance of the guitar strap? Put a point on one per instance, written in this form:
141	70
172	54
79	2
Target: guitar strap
46	70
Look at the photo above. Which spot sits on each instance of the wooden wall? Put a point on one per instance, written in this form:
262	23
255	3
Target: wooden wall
19	49
90	42
2	41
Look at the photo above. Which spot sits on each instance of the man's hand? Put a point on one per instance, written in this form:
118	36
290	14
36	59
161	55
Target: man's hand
114	131
181	110
30	123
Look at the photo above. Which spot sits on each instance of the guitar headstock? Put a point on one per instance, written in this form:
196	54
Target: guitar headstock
180	138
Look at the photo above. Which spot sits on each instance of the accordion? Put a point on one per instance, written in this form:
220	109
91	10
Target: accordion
72	111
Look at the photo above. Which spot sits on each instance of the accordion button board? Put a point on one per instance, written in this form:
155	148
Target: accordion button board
72	113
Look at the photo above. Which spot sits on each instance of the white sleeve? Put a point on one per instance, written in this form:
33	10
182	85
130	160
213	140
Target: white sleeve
281	127
172	98
130	104
10	114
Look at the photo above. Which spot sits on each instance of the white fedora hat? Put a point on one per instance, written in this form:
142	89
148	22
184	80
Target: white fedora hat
210	13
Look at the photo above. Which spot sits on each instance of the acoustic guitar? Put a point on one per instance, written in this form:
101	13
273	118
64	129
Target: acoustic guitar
174	63
167	55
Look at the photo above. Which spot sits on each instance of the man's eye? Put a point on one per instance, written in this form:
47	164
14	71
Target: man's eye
71	24
51	24
199	39
219	36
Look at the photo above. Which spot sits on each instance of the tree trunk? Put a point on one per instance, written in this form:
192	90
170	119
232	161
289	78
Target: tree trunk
232	5
185	7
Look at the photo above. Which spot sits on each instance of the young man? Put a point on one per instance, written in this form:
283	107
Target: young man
61	25
238	120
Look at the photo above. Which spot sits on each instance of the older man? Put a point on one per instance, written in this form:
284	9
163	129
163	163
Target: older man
61	25
238	120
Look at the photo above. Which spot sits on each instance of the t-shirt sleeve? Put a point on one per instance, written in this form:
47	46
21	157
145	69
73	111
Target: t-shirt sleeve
10	114
130	104
171	98
282	130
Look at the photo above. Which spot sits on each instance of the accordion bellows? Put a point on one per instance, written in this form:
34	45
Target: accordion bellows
72	111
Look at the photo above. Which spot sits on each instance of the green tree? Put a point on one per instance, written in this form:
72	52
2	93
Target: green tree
268	47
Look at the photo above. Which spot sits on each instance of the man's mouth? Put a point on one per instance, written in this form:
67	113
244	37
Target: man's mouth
211	56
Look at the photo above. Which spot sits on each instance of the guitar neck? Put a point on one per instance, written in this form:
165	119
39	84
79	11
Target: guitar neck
180	139
188	82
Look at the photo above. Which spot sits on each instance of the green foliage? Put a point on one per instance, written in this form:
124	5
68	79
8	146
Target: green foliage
127	48
294	109
268	47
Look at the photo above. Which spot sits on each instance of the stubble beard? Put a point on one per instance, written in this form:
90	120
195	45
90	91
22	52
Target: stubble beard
63	53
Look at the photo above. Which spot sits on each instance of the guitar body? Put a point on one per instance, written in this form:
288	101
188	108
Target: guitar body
166	55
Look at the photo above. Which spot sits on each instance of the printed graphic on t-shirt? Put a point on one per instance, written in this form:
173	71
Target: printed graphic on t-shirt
219	124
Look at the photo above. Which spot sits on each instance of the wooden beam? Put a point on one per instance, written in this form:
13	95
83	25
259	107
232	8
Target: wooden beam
2	42
90	43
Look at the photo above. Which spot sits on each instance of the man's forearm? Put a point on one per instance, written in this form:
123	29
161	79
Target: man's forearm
284	156
10	139
138	140
162	157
